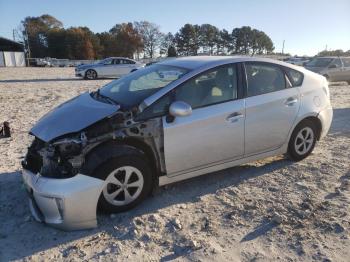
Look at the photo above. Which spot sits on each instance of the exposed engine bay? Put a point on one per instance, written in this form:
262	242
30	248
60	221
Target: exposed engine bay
65	156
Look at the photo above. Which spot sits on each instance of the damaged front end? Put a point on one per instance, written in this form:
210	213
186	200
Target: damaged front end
59	174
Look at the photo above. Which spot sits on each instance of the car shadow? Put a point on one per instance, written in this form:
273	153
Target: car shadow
17	226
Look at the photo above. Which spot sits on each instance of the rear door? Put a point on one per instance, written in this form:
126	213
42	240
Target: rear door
271	107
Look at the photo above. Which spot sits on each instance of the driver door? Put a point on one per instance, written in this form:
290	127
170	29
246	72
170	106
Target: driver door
214	133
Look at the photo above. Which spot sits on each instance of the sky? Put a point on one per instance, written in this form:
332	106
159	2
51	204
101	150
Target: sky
306	26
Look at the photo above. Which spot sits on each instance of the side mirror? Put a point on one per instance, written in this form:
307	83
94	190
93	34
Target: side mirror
180	108
333	66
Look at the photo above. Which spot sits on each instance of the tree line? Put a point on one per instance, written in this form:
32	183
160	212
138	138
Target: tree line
337	52
45	36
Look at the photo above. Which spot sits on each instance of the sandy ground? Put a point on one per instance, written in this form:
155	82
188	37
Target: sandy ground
272	209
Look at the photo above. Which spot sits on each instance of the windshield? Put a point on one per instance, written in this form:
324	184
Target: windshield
132	89
319	62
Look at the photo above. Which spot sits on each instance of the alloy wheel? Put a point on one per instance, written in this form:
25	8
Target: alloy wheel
304	140
91	74
123	185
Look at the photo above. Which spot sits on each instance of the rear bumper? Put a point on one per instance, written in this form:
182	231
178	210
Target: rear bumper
67	204
326	116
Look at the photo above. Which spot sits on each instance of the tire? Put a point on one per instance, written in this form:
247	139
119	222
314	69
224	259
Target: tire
90	74
116	169
302	141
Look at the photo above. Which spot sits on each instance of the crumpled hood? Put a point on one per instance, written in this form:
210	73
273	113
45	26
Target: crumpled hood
72	116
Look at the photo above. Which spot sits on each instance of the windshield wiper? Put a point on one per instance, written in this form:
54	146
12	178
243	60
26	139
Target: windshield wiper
107	98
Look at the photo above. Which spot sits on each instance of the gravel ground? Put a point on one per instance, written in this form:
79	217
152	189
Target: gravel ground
272	209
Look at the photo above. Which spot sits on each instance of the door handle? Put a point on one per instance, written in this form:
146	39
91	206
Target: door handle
291	101
234	117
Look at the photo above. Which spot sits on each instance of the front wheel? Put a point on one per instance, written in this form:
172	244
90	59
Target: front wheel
128	181
90	74
302	141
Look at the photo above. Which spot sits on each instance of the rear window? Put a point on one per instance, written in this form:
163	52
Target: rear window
294	76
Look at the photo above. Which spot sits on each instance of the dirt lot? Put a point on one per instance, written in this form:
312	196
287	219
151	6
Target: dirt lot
268	210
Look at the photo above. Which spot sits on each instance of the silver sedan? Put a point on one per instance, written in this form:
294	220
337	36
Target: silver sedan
110	67
168	122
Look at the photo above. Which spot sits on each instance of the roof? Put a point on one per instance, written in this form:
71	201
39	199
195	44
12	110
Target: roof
9	45
193	62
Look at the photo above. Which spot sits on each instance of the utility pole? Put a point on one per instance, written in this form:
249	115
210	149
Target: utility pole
28	48
13	35
283	47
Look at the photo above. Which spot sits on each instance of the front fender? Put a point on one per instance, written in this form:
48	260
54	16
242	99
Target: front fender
104	152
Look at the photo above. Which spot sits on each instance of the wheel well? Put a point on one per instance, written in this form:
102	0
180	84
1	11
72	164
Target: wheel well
91	70
146	149
106	150
317	123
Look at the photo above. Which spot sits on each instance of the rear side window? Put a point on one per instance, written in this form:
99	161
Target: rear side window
264	78
295	77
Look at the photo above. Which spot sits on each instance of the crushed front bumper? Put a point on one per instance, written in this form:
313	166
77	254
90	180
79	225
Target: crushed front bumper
67	204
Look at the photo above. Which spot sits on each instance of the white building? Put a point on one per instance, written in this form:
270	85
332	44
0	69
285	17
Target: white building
11	53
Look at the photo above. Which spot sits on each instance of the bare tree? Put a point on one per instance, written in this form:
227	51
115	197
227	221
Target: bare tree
151	36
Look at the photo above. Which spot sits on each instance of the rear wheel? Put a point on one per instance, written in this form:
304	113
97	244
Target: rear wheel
90	74
128	181
302	141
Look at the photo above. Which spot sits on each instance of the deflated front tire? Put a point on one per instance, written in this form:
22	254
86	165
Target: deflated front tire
128	181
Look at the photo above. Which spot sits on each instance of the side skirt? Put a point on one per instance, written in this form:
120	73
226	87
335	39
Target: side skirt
164	180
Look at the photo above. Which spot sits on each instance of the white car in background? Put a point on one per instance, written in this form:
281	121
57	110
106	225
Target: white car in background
110	67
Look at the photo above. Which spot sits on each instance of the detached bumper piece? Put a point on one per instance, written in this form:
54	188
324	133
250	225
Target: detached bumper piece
67	204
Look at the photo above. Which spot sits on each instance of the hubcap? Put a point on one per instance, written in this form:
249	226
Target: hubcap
304	140
123	185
